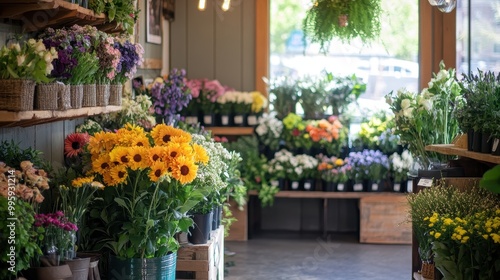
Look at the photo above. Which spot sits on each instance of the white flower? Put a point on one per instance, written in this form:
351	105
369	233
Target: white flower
49	68
16	47
48	57
408	113
405	103
442	75
40	47
426	104
20	59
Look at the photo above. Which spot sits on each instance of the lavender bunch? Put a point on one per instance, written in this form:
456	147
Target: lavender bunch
369	164
171	96
131	57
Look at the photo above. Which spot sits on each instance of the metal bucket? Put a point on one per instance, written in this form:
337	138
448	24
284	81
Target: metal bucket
162	268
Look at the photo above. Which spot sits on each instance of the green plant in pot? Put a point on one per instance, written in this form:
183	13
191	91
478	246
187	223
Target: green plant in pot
343	19
283	96
342	91
313	93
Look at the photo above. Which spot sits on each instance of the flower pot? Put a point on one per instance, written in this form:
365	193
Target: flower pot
115	94
17	94
162	268
219	215
495	148
215	217
240	120
46	96
54	272
486	143
89	96
476	141
345	186
367	185
76	96
226	120
470	139
79	268
200	232
294	185
209	119
329	186
64	97
427	270
308	185
279	183
357	186
93	265
252	120
102	95
191	119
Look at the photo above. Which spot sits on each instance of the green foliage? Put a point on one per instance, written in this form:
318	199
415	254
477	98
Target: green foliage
322	24
123	12
343	91
85	70
26	248
283	96
491	180
12	155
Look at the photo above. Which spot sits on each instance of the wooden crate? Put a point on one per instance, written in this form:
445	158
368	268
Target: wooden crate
239	229
382	220
203	261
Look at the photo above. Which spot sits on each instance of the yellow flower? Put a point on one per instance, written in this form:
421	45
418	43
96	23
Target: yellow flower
118	174
101	142
201	154
138	158
465	239
431	225
495	237
79	182
120	155
101	165
158	169
156	153
437	235
184	170
448	221
174	150
339	162
259	101
162	134
182	137
485	236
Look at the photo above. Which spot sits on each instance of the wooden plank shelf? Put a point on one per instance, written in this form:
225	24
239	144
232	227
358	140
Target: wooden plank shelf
451	149
28	118
35	15
229	130
340	195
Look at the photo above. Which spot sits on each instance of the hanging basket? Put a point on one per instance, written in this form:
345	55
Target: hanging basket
46	96
76	96
17	94
102	95
115	94
89	96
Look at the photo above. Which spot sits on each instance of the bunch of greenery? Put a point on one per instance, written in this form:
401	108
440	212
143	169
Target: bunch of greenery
325	20
123	12
343	91
445	200
283	95
479	107
313	96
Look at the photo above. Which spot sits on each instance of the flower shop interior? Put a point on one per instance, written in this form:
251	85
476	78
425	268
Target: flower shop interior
249	139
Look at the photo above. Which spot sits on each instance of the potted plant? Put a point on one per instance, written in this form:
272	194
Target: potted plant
225	107
283	96
309	166
143	204
342	19
269	132
277	169
242	107
399	168
331	172
369	168
295	135
413	112
313	96
342	91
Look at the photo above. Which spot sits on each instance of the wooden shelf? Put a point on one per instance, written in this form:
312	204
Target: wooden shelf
35	15
227	130
319	194
451	149
28	118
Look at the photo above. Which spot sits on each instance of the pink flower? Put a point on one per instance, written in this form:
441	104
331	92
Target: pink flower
194	86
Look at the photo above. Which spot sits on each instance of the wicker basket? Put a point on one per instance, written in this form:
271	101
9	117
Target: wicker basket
46	96
115	94
89	96
76	96
102	95
17	94
64	97
427	270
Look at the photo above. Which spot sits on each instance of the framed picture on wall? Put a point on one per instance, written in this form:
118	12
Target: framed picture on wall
153	21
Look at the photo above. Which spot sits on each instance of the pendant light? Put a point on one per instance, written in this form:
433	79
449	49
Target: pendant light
202	4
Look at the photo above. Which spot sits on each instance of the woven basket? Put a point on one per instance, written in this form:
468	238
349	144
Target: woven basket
76	96
64	97
115	94
89	96
427	270
102	95
17	94
46	96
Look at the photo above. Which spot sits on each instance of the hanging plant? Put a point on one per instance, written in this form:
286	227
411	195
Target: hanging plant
343	19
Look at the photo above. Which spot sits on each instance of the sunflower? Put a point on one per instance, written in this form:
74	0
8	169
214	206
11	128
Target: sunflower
141	141
102	142
138	157
79	182
107	179
184	170
74	143
102	164
158	169
120	154
118	175
200	154
162	134
182	137
174	150
156	153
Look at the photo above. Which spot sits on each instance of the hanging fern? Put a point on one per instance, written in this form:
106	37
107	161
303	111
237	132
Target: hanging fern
321	24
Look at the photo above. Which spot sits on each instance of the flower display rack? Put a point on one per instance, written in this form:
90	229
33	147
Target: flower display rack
205	261
29	118
451	149
38	14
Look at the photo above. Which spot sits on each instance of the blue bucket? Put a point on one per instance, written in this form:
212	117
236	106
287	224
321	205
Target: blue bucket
162	268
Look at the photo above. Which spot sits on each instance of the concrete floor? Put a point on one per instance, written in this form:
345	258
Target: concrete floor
307	257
